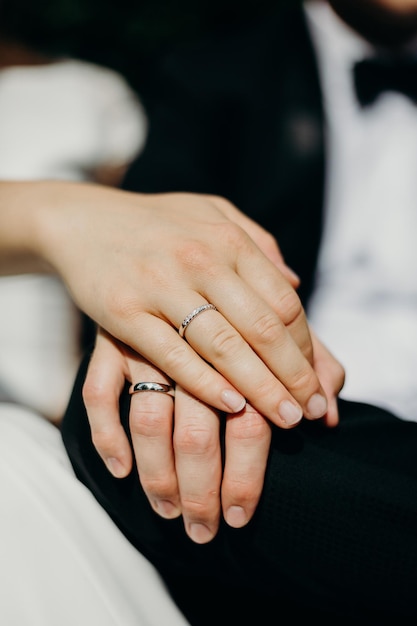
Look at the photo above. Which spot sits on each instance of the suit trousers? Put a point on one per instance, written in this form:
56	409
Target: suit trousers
334	534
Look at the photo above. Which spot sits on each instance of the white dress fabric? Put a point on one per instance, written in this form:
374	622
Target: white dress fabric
62	560
62	120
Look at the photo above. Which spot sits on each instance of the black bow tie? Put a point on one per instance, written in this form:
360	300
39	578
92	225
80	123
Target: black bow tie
375	75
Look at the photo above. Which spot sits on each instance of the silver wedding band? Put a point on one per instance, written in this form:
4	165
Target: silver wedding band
147	386
187	320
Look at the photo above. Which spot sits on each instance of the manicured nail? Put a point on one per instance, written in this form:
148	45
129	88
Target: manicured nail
115	467
317	406
236	516
234	401
200	533
290	413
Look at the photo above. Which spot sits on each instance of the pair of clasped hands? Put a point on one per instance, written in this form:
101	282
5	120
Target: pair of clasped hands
139	265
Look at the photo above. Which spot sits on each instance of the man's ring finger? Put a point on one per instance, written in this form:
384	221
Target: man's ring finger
151	386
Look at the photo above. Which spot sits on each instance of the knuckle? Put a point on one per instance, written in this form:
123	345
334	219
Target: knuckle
244	488
225	341
195	255
233	232
195	440
147	422
159	486
289	307
250	427
198	508
181	364
303	381
267	328
176	357
95	393
234	237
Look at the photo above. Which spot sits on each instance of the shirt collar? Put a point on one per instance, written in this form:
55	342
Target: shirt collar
335	40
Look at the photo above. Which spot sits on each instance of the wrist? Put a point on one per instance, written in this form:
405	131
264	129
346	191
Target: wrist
18	216
32	225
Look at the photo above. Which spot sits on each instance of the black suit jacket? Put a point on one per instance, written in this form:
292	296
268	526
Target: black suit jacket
239	114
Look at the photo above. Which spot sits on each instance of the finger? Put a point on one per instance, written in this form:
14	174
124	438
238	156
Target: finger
258	309
257	300
278	381
272	287
265	241
218	342
222	346
199	465
248	438
151	426
160	344
102	387
332	376
262	360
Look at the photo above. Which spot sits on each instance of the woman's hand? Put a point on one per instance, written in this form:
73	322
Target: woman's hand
139	264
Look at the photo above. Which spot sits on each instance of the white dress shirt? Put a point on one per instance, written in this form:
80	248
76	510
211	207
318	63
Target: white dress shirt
365	302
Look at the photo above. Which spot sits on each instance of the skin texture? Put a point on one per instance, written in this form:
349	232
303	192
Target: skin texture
137	265
176	444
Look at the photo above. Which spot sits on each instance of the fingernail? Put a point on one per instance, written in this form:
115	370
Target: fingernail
166	509
236	516
317	406
234	401
200	533
115	467
290	413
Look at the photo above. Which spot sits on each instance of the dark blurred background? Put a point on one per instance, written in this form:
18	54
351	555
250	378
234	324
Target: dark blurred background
121	34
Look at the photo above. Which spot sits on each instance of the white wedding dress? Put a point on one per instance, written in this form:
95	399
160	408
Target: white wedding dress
62	560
